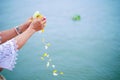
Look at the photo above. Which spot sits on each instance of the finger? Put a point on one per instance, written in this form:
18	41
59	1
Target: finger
30	19
43	18
44	22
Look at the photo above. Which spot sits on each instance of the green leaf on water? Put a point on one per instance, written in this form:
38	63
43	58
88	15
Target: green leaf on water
76	18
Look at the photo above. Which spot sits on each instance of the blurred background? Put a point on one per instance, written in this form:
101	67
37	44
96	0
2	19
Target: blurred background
88	49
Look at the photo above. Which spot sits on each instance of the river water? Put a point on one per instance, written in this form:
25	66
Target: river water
88	49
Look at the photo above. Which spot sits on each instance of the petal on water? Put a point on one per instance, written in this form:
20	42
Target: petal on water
42	30
46	47
54	71
48	44
45	54
55	74
53	66
48	64
42	58
61	73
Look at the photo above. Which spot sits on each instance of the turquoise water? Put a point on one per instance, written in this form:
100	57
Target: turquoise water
85	50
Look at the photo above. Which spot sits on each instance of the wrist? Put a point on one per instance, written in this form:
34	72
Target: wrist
24	26
31	30
17	29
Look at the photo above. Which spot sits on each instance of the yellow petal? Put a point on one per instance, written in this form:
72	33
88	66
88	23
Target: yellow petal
55	74
46	47
42	30
53	66
48	64
48	44
45	54
61	73
37	15
54	71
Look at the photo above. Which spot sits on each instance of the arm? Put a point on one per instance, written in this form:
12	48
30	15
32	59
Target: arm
8	49
22	38
11	33
35	26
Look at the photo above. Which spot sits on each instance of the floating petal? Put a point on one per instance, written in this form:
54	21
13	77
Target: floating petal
45	54
46	47
53	66
55	74
54	71
42	30
42	58
48	44
48	64
61	73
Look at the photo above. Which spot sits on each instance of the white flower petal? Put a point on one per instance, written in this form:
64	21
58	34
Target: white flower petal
55	74
46	47
53	66
48	64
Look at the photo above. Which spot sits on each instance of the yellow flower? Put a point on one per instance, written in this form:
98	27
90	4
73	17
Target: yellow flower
37	15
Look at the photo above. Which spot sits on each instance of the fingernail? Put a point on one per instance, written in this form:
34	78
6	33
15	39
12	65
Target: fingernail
44	18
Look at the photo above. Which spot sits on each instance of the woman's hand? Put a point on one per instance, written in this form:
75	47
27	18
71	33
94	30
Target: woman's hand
25	25
38	24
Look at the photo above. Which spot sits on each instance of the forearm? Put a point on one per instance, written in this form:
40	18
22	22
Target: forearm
7	35
11	33
22	38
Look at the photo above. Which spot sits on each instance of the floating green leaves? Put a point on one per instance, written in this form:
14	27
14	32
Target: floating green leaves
76	18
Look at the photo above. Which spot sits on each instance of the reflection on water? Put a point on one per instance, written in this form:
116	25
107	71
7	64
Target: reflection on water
85	50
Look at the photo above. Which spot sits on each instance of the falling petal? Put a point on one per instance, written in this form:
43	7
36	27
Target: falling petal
48	44
45	54
42	58
54	71
48	64
42	30
61	73
53	66
46	47
55	74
